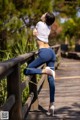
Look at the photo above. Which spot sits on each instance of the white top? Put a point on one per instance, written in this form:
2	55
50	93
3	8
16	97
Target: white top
43	31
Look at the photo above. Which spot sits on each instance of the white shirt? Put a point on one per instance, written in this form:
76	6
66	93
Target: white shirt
43	31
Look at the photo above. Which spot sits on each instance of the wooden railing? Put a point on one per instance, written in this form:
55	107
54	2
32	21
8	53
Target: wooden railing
11	71
68	52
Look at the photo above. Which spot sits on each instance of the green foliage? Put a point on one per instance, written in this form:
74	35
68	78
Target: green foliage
69	27
3	93
10	22
66	7
13	24
25	95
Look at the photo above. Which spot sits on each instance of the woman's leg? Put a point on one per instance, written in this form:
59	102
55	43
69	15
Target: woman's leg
32	67
51	80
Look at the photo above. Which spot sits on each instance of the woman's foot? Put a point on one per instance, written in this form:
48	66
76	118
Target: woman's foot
49	71
24	72
50	111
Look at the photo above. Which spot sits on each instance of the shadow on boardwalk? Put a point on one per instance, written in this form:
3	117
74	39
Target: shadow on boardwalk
67	97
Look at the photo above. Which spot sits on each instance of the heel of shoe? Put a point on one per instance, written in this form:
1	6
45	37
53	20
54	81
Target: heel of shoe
52	110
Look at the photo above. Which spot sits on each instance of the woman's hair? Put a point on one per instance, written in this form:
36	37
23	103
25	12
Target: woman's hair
49	18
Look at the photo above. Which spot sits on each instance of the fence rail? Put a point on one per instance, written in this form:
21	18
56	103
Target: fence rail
11	70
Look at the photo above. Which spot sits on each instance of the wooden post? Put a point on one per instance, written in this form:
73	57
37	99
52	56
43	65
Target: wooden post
33	88
14	88
46	84
59	52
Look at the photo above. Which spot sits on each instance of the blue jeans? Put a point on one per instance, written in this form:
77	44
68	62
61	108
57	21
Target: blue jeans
45	55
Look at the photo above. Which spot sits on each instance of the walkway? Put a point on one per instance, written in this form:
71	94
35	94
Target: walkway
67	101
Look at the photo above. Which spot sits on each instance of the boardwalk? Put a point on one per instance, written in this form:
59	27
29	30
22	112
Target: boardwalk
67	100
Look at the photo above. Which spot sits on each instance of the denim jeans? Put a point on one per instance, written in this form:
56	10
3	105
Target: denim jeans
45	55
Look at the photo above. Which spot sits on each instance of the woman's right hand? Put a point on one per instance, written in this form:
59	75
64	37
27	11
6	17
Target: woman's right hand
35	33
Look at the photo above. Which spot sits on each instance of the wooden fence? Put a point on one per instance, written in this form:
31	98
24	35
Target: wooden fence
11	71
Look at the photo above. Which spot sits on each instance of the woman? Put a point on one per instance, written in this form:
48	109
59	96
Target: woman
45	55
